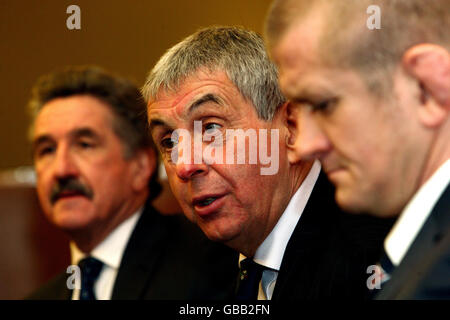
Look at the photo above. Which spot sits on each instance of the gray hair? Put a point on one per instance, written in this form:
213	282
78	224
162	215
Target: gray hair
238	52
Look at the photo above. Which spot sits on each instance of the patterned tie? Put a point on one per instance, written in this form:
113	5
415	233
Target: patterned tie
249	278
90	269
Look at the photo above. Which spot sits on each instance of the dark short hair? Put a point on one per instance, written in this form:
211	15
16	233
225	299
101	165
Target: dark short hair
121	95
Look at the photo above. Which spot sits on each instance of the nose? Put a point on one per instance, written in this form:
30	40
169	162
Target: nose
189	171
311	142
63	164
188	160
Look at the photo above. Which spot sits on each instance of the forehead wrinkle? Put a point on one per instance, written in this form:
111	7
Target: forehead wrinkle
173	99
197	103
83	132
202	100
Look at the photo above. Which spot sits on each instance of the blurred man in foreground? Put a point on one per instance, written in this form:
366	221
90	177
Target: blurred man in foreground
372	104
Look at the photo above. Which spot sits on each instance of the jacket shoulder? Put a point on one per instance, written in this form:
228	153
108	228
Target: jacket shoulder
54	289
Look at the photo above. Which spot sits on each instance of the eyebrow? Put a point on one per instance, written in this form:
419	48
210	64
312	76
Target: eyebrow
209	97
40	140
77	133
84	132
310	93
156	123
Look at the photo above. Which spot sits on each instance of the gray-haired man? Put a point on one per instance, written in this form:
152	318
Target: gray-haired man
216	88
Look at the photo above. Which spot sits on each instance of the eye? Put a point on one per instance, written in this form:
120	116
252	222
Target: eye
324	106
43	151
85	144
212	126
321	106
167	143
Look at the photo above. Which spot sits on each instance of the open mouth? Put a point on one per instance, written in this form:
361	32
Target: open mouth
206	202
206	205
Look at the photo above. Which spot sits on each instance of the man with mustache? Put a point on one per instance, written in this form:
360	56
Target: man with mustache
296	243
96	178
373	105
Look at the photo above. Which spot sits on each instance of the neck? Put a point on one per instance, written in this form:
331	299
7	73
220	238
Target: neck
439	153
282	196
90	237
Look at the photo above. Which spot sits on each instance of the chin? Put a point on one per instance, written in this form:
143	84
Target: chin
355	204
70	220
348	202
215	231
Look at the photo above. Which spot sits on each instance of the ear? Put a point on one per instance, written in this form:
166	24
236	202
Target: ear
290	121
290	116
144	164
430	65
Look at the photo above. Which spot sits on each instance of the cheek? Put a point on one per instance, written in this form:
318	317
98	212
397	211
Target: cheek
118	174
179	190
248	183
43	188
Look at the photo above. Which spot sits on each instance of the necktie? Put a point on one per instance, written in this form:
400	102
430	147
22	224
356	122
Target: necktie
90	269
386	268
249	278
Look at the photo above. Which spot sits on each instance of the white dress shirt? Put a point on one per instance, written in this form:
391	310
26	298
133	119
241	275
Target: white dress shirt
415	214
110	252
270	253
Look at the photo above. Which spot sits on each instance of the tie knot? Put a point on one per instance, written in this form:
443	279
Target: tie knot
249	278
90	267
250	267
90	270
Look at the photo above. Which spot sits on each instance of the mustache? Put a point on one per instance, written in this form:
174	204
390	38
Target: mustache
69	185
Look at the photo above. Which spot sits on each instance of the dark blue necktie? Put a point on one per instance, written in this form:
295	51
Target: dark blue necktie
385	270
386	264
90	269
249	278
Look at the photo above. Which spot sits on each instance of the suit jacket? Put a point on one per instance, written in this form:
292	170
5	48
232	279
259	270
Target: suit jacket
166	258
424	272
329	251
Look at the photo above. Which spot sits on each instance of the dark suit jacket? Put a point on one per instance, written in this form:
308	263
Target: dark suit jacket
167	257
424	272
329	251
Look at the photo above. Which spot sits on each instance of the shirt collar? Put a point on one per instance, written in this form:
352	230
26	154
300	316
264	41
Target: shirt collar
415	214
111	249
270	252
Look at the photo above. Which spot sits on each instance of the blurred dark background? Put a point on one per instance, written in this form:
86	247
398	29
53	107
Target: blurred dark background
125	37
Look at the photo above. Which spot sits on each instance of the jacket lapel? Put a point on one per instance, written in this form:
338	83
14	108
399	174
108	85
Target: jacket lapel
307	242
426	248
141	256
